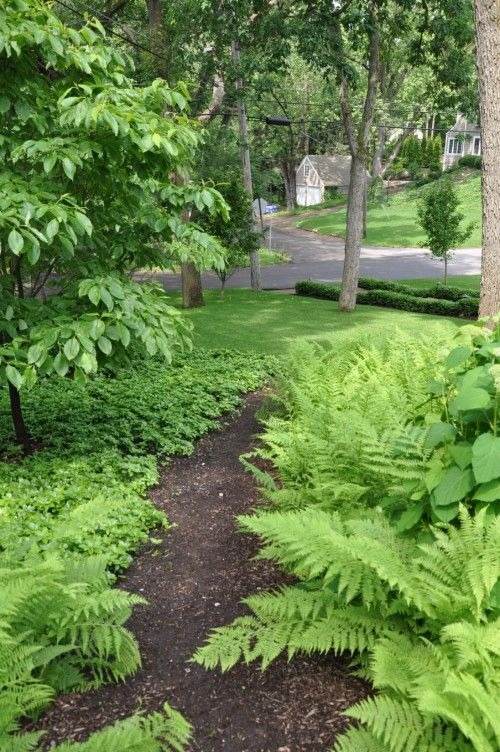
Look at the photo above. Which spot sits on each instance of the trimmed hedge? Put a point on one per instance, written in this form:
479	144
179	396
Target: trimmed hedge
311	289
438	290
466	307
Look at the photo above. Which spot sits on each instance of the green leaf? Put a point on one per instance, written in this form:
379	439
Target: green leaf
94	295
488	491
97	329
15	241
106	298
458	356
4	105
52	229
71	348
486	457
35	352
439	433
87	362
69	168
104	345
14	376
49	162
446	513
471	398
410	517
33	254
61	365
83	223
461	453
151	346
453	487
124	334
116	289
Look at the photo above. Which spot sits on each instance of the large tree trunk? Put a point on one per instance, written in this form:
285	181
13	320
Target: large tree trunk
255	277
154	13
289	179
358	141
354	231
20	430
488	68
192	290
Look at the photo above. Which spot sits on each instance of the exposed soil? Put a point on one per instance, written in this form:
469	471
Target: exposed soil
193	582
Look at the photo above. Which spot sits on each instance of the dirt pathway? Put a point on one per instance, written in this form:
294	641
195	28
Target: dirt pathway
194	581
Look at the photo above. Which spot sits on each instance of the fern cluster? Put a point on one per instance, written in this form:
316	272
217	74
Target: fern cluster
419	611
62	629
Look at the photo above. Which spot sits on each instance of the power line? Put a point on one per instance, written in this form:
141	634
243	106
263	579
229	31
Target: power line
124	38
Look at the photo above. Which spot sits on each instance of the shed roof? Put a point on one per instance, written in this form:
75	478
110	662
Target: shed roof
333	169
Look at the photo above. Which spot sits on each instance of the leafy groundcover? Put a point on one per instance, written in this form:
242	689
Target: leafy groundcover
72	514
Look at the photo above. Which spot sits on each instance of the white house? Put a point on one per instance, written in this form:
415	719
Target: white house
464	138
319	171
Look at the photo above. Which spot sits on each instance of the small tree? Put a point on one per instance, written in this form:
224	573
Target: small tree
440	219
86	198
236	233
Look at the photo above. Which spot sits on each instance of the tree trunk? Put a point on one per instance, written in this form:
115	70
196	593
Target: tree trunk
192	291
377	167
358	140
255	278
154	13
354	231
20	430
488	69
365	209
446	268
289	178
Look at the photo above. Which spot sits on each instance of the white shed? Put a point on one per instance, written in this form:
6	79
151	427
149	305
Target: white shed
319	171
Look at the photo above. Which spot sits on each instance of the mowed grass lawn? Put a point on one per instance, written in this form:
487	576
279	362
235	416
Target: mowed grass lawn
270	322
396	224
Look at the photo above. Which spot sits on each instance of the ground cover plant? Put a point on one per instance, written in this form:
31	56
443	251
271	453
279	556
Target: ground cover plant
381	572
395	223
72	514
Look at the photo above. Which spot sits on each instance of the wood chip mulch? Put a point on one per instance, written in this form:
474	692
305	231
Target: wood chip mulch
194	581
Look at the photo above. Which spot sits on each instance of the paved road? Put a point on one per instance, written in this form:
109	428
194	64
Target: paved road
321	257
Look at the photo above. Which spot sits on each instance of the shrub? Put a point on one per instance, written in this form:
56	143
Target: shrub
395	295
471	160
438	290
465	308
313	289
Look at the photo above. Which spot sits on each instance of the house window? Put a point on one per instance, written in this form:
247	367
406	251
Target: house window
307	170
454	146
477	145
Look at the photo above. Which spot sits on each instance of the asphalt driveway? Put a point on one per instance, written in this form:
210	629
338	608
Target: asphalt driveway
321	257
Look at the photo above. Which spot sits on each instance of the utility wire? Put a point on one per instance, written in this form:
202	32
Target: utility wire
124	38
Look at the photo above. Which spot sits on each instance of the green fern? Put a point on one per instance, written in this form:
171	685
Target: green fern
158	732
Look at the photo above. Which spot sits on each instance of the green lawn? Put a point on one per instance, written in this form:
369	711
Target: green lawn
395	223
269	322
464	281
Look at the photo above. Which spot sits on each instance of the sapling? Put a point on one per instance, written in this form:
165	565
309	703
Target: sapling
441	220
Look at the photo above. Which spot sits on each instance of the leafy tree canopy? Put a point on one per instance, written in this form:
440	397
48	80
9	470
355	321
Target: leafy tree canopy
90	191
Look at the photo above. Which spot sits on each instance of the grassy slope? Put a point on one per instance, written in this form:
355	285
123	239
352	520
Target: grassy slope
395	223
269	322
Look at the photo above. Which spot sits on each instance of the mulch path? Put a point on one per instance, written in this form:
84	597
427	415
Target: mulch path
194	581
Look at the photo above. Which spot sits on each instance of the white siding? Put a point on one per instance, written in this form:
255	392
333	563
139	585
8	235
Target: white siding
309	195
